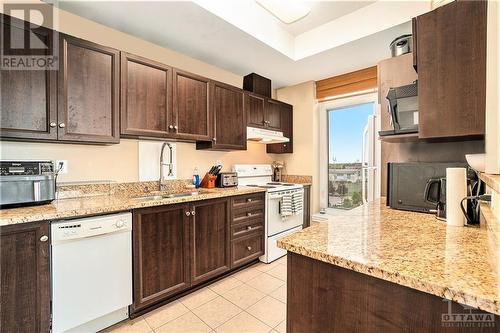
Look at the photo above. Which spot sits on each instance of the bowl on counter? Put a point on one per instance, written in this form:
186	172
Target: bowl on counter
476	161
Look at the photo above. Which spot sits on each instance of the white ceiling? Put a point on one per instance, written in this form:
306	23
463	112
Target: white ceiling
188	28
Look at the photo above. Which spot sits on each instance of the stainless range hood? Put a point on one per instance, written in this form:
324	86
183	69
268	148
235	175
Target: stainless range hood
265	136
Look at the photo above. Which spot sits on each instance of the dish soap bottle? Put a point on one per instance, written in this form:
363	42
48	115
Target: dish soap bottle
196	178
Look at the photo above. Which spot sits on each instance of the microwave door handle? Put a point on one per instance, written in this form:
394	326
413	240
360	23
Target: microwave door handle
36	190
427	190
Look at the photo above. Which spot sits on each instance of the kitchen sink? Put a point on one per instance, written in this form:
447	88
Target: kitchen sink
164	196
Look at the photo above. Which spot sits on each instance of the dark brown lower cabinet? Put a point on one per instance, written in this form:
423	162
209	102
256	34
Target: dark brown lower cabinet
161	262
335	299
24	283
209	239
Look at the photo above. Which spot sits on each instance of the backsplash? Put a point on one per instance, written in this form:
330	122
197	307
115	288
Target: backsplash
88	189
297	179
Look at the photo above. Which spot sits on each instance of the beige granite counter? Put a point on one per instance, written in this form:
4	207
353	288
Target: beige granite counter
75	207
411	249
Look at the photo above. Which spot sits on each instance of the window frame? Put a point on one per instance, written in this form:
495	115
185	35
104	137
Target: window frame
326	106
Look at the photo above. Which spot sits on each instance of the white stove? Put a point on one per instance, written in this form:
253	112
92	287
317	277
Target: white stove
284	205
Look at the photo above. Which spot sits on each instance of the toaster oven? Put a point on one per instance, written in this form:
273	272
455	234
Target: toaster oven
24	183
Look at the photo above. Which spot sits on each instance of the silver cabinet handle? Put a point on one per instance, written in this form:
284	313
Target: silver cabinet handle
215	139
175	127
249	228
188	213
62	125
53	124
193	212
249	200
249	248
249	214
171	126
44	238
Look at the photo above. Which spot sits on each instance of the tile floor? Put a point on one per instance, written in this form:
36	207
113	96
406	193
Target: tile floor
252	300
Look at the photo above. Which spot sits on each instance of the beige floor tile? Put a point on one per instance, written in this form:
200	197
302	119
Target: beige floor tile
265	283
243	296
268	310
217	311
137	325
243	322
281	328
198	298
247	274
185	323
282	260
280	294
263	267
166	313
224	285
278	272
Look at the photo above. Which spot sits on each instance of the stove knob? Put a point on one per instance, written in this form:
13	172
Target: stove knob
120	223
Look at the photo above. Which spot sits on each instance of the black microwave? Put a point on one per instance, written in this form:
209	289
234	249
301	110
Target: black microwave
406	183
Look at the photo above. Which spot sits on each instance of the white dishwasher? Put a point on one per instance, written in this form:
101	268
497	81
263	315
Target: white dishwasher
91	272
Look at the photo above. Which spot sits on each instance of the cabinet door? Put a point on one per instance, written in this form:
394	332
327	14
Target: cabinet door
24	284
287	128
146	97
160	253
451	64
88	103
209	239
229	123
28	98
191	109
273	115
255	110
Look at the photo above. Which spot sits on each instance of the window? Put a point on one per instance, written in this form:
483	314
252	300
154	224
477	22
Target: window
350	152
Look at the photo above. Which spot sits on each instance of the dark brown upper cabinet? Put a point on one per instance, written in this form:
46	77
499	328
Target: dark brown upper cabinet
88	98
229	119
286	114
210	225
254	105
273	115
451	63
161	261
191	119
28	98
146	97
25	278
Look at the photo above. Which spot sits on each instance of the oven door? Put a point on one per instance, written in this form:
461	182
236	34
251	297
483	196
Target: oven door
277	223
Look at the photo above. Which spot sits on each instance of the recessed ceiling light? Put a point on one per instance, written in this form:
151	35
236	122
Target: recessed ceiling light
285	11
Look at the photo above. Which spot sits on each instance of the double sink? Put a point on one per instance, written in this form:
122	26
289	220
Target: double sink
161	196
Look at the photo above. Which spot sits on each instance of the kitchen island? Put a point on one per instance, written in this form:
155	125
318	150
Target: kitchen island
375	269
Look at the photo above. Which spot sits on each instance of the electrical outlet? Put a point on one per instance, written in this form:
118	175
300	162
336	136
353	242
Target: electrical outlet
62	166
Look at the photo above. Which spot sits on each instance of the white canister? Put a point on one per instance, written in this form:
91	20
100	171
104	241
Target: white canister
456	190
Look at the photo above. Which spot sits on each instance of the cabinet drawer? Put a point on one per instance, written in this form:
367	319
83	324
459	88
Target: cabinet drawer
247	248
244	201
244	229
249	213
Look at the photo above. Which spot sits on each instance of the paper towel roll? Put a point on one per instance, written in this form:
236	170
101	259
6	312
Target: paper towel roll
456	190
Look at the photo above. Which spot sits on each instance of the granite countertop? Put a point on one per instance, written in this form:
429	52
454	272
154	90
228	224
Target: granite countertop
76	207
411	249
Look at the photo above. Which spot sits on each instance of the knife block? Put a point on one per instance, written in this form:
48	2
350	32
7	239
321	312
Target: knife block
208	181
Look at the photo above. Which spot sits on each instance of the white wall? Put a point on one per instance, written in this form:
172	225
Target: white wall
120	162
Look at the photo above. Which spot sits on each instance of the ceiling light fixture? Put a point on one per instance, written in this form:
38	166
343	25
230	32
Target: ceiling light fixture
286	11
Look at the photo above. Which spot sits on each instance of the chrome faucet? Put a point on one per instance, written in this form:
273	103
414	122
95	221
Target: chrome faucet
170	165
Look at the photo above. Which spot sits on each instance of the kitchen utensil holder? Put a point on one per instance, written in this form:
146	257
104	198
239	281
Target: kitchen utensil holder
208	181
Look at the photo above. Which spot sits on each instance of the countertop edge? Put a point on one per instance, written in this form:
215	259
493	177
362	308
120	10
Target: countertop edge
490	305
125	206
